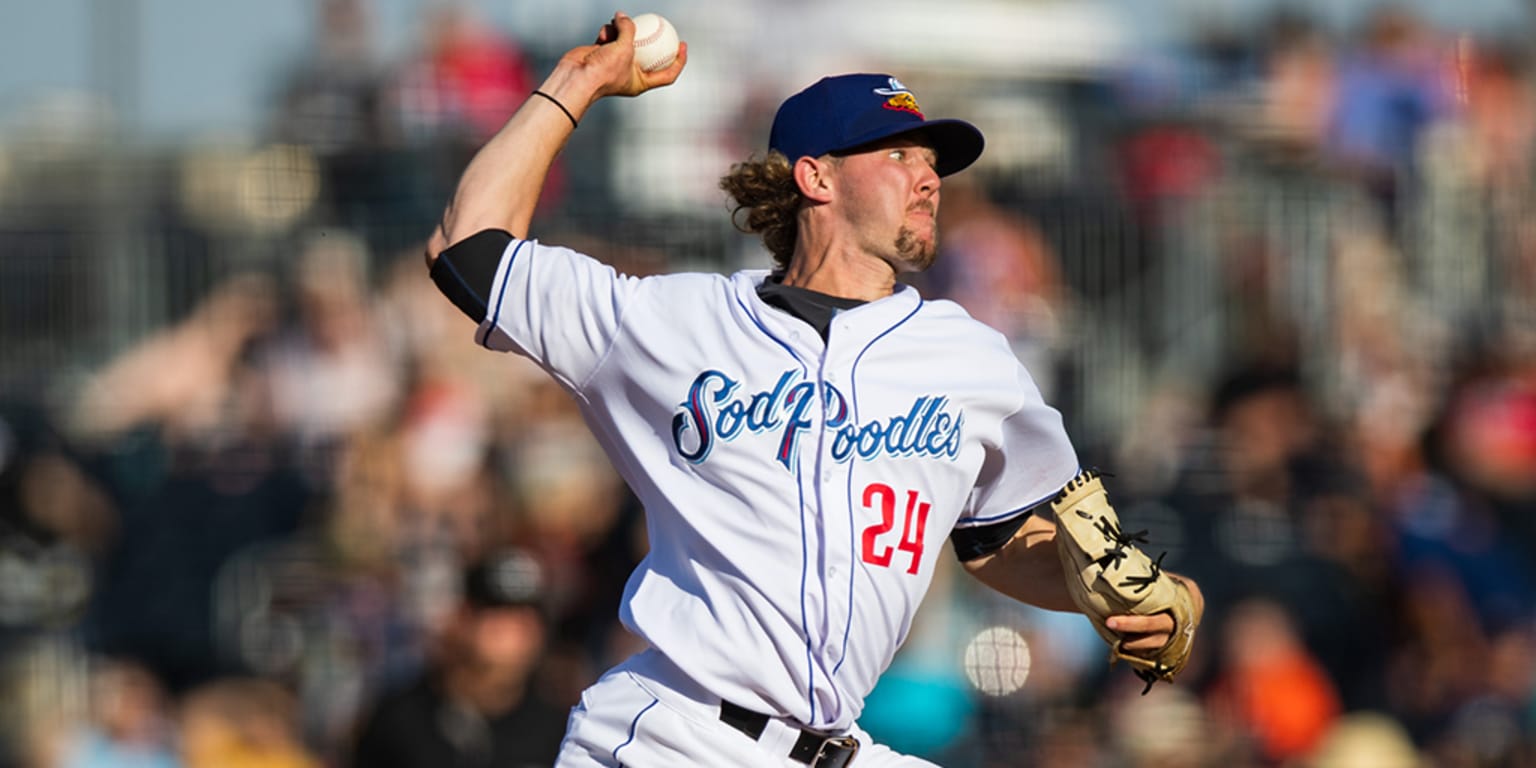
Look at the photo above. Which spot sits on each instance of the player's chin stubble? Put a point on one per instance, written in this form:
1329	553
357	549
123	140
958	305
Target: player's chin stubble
913	253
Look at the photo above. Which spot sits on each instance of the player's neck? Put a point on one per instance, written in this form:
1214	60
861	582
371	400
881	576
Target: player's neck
843	272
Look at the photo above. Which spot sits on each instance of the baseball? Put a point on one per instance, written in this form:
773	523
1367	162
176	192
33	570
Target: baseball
655	42
997	661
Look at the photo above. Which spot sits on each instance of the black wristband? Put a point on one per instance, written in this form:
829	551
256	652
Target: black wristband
557	103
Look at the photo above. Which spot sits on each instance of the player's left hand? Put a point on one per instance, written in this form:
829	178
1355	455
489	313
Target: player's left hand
1144	636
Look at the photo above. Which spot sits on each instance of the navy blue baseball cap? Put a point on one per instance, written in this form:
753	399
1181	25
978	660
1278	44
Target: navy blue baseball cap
844	112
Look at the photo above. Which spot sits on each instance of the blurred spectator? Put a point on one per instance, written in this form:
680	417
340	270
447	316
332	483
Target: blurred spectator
575	512
1384	384
440	103
1472	257
183	437
1499	111
330	105
331	374
1247	497
1391	87
1297	90
328	101
477	703
1166	160
1465	569
463	84
1170	730
1440	661
1240	481
1490	439
1470	512
1003	271
1466	558
206	351
1270	685
242	723
131	724
53	517
410	504
1367	740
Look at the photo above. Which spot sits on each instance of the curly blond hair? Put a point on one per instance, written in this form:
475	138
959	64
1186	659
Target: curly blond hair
765	188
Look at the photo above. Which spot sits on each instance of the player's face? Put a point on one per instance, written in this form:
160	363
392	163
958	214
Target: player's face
889	194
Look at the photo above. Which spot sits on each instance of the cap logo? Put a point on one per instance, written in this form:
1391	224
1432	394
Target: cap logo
899	98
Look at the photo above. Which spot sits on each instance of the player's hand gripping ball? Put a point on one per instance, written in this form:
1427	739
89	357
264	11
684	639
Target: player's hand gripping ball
655	42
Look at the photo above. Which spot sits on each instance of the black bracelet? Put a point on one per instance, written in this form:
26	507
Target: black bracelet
556	102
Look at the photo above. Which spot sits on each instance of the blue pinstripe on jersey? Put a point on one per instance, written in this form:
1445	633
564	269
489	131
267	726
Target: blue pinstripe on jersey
805	618
853	393
634	726
769	334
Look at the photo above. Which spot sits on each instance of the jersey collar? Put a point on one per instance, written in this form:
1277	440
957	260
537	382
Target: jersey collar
859	324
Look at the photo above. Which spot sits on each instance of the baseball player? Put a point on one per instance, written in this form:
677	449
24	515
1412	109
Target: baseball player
804	439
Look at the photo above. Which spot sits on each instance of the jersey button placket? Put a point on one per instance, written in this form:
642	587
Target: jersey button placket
837	518
815	596
829	382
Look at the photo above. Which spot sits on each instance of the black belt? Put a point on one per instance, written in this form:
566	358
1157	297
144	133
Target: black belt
814	749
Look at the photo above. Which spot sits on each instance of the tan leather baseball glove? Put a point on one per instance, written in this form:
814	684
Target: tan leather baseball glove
1108	575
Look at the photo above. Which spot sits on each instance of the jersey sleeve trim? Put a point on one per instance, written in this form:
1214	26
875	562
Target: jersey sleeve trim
978	537
1038	505
501	295
994	519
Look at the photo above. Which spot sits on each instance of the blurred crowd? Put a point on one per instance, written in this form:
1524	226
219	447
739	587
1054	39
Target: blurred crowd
1286	295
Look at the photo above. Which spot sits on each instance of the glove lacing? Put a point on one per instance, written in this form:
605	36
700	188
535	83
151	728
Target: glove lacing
1119	541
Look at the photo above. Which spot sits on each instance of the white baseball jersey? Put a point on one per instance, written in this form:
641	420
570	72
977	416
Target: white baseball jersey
797	493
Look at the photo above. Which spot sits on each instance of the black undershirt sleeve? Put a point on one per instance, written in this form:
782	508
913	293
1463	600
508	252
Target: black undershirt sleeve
982	540
465	271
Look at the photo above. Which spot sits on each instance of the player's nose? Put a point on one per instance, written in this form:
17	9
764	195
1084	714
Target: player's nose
928	180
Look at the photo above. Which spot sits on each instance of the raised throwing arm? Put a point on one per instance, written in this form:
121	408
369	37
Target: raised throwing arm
501	185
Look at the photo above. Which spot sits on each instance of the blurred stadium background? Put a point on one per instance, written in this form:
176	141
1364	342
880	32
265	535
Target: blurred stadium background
1276	263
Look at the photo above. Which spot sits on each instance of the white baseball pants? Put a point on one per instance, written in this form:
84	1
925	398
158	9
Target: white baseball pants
644	714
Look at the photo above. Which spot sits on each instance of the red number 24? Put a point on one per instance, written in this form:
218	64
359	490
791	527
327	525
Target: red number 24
911	530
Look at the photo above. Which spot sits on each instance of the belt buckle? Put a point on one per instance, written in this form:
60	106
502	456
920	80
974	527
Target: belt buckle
836	752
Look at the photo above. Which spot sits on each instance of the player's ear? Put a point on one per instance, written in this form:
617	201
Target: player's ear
814	177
